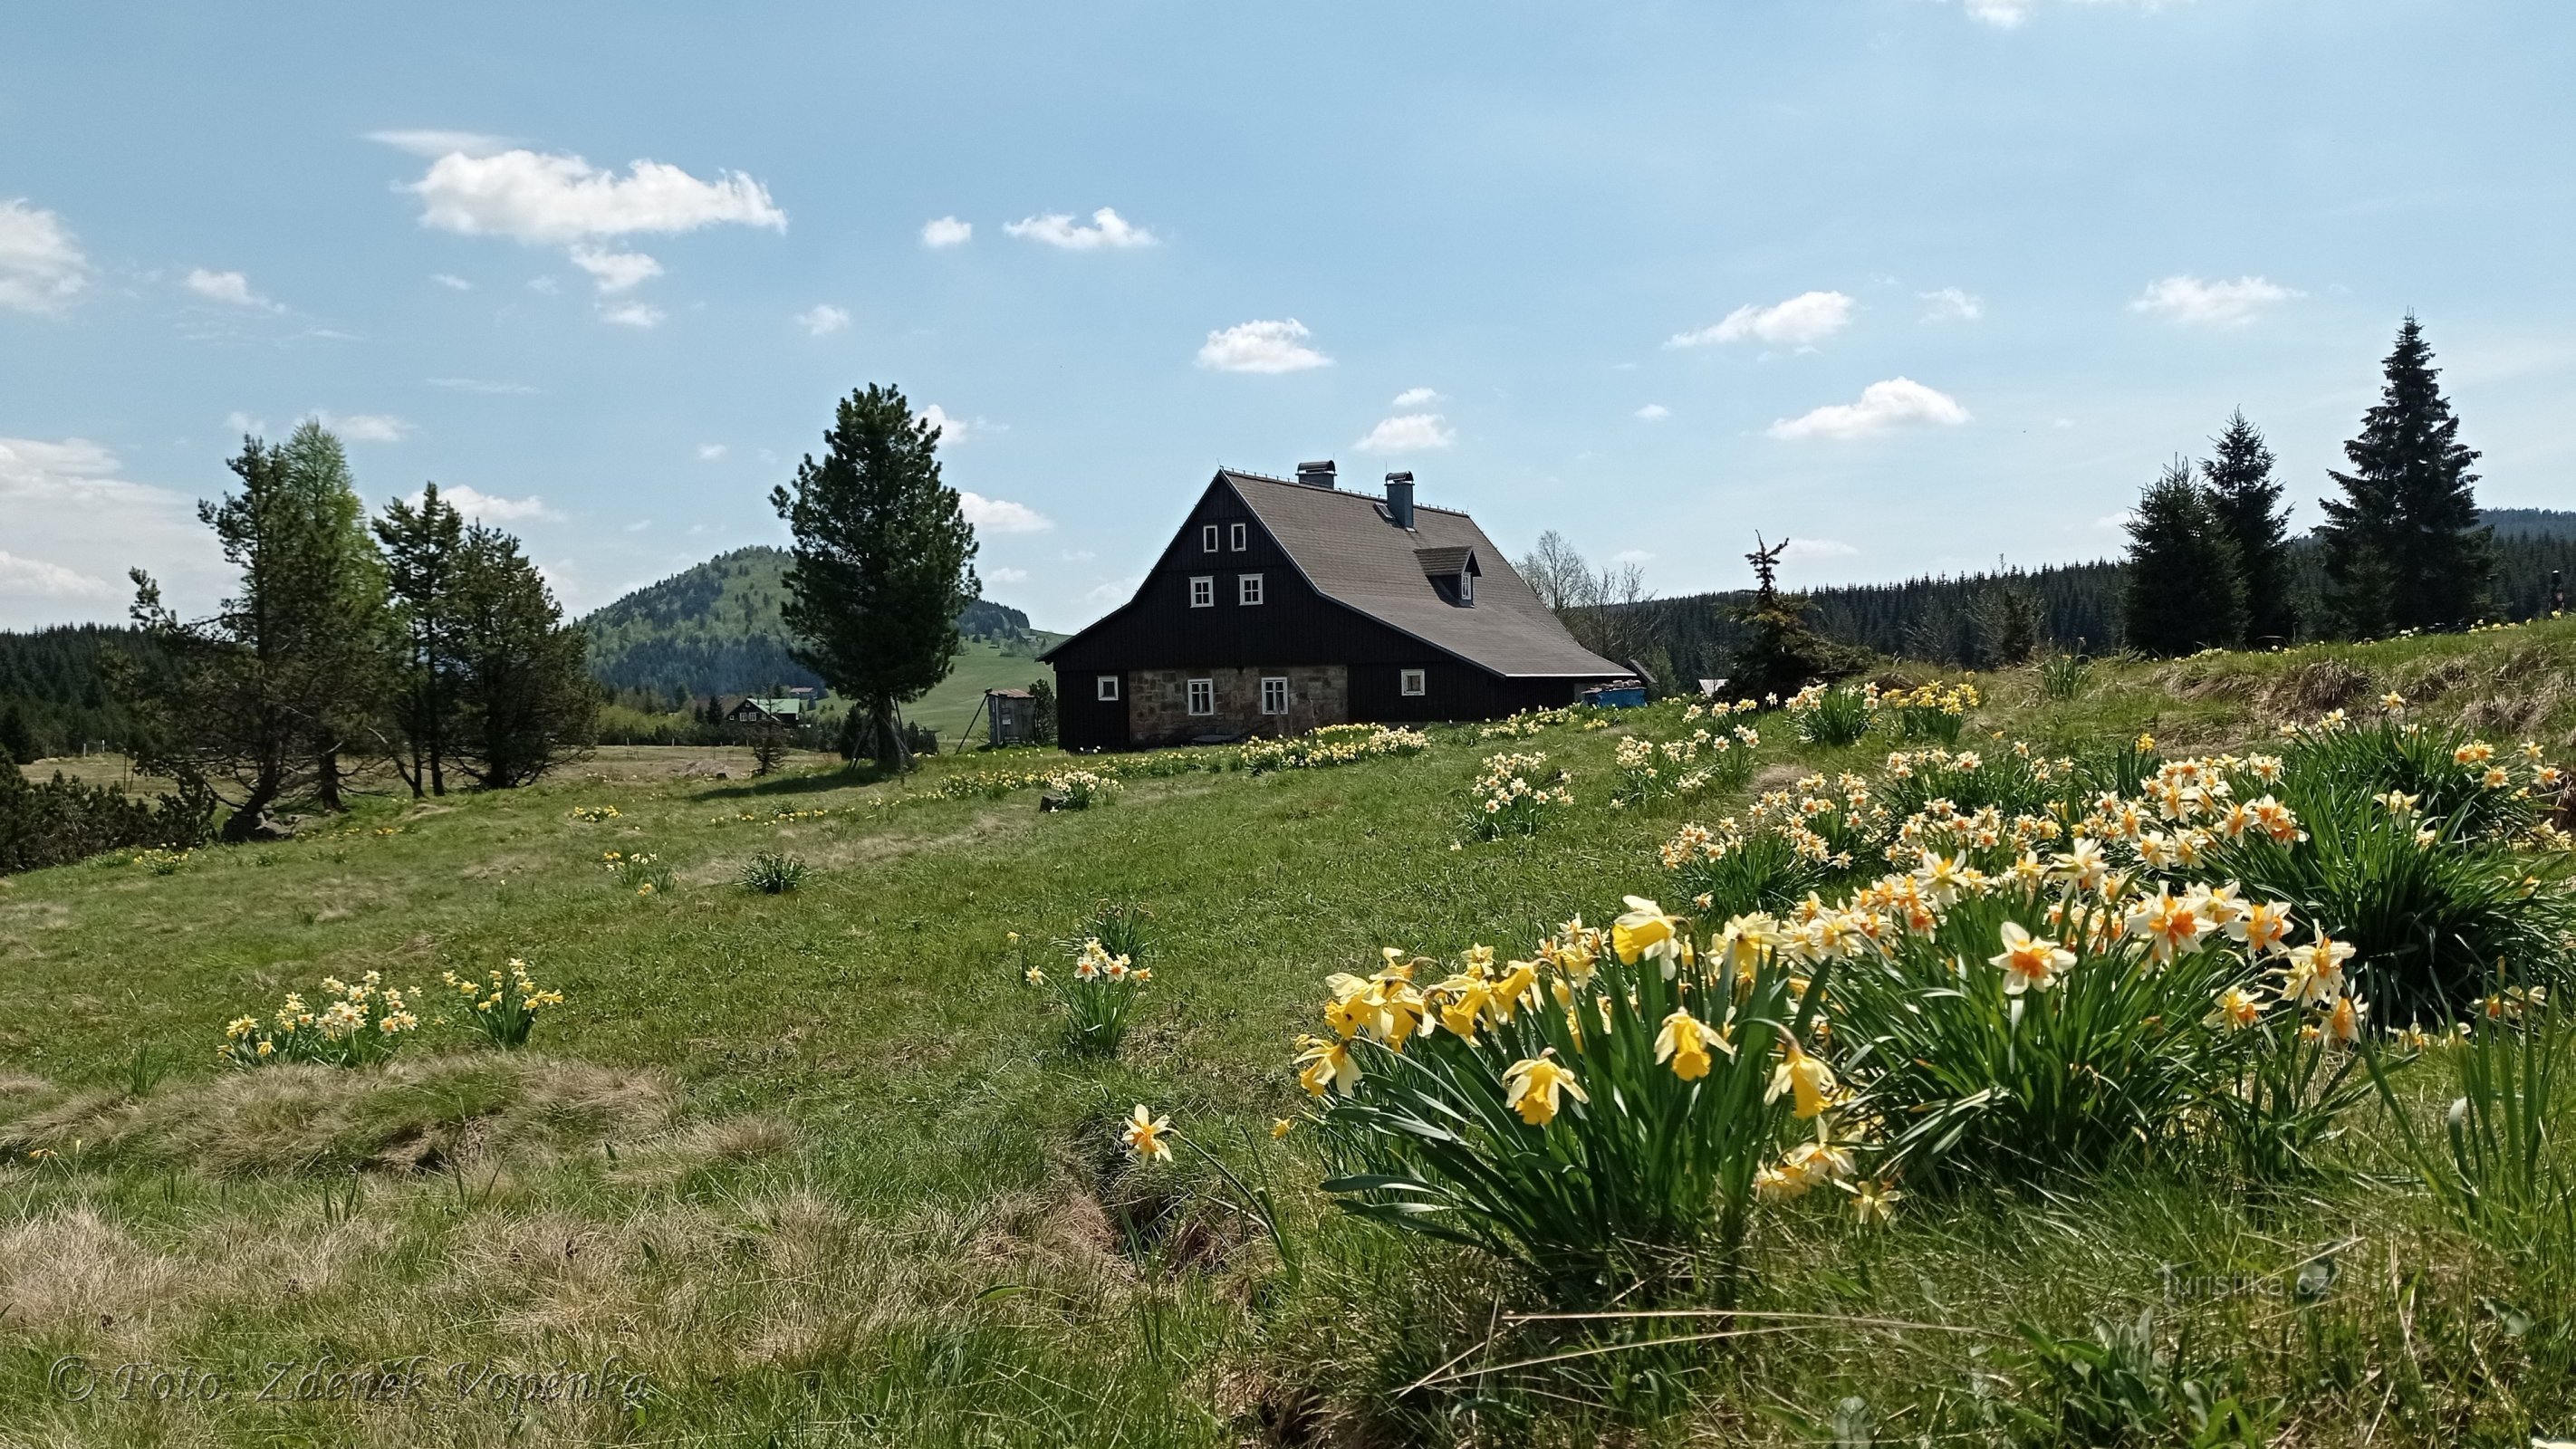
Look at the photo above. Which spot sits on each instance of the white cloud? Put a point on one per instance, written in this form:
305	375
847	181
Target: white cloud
545	285
476	384
1654	413
485	507
1414	397
434	144
538	198
1897	402
451	282
364	427
2115	520
615	271
1951	304
41	266
1108	230
2009	14
632	314
1261	347
243	423
947	231
75	527
2193	302
998	515
1802	321
1116	591
1408	433
822	319
230	288
1813	548
947	430
710	452
1005	576
34	576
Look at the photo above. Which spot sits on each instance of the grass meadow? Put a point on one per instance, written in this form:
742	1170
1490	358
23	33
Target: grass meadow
817	1168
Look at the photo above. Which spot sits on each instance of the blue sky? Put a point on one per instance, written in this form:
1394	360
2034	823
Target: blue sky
1918	283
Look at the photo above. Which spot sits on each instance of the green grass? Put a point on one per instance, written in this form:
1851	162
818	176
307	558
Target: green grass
816	1166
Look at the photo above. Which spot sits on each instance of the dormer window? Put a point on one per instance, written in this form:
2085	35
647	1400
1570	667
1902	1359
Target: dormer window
1452	572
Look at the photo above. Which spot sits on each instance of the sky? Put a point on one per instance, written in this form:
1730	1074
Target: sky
1922	285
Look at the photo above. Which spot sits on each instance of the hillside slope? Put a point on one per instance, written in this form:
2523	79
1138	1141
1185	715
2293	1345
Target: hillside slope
716	629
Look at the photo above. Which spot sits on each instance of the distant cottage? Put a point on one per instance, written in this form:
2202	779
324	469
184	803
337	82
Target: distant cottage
784	711
1281	606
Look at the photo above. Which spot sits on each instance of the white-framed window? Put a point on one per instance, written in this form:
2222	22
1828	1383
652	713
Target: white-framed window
1105	688
1202	696
1247	588
1466	587
1274	694
1237	538
1207	539
1203	591
1411	682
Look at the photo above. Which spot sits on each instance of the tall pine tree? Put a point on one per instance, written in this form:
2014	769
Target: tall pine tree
883	562
421	546
2403	549
340	610
518	674
2246	498
2184	592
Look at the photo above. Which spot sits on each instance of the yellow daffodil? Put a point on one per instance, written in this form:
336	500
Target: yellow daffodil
1684	1042
1807	1079
2315	973
1872	1202
2343	1021
1280	1127
1144	1134
2237	1009
1326	1065
2263	927
1532	1084
1645	931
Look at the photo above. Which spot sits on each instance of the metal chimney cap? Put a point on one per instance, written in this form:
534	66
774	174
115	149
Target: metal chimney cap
1399	477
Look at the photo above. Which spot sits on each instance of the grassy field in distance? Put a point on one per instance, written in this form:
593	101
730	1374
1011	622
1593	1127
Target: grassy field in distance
812	1166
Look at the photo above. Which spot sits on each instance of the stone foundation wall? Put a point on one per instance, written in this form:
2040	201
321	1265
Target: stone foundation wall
1158	702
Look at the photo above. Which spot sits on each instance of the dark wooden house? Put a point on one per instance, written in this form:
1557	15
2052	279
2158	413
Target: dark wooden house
1280	606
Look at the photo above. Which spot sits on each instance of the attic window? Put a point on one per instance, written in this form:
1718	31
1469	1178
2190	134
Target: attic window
1207	539
1236	540
1452	570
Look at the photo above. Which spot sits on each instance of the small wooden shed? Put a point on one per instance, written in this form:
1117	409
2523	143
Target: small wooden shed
1013	714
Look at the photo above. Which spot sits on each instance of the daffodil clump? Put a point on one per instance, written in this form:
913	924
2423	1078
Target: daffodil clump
1516	794
1101	985
1080	789
593	814
637	872
1932	711
347	1024
162	862
1833	715
1599	1114
1333	745
1705	758
1788	844
1531	721
504	1012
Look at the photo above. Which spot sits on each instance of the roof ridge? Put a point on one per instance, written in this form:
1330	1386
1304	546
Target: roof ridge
1339	492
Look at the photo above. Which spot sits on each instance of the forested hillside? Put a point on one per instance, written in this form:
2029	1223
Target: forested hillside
54	694
1954	619
716	629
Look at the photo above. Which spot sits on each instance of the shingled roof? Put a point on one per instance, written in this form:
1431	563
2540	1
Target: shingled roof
1351	551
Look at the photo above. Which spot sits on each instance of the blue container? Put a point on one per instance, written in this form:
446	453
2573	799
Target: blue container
1619	696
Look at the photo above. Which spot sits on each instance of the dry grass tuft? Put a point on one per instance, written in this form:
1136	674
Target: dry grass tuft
726	1142
410	1116
21	1084
2315	687
71	1268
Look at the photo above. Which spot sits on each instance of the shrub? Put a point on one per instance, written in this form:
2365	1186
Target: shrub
1098	991
1834	716
773	873
504	1013
1596	1117
358	1024
1507	803
63	820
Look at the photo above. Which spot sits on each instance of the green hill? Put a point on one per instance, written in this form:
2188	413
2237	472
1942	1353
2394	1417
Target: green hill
716	629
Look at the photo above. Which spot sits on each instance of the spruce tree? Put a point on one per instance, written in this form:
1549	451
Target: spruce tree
523	697
2247	501
2184	594
883	562
421	547
2403	549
